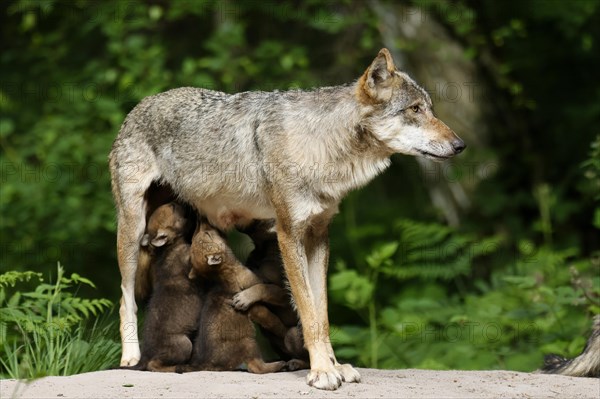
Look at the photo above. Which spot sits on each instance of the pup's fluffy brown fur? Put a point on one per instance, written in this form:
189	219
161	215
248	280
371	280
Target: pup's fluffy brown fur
265	261
175	304
226	337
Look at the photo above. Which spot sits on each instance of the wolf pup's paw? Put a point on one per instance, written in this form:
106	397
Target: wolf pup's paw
329	380
296	364
349	373
241	301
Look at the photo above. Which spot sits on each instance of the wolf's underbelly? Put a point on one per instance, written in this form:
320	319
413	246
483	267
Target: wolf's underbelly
226	215
228	208
222	191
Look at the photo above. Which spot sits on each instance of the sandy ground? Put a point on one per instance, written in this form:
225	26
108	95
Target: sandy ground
376	384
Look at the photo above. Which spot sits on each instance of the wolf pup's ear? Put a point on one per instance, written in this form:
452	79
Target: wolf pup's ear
376	82
160	239
214	259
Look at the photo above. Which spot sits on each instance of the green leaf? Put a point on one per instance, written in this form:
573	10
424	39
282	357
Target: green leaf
521	281
381	253
351	289
82	280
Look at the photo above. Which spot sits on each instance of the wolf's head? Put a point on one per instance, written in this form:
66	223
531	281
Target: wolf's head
402	116
209	251
167	223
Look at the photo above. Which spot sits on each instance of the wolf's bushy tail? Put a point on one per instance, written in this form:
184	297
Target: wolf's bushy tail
585	365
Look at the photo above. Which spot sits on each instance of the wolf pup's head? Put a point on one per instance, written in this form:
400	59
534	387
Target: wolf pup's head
402	117
209	251
167	223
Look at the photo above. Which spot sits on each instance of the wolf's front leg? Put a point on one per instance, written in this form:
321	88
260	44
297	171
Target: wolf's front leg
317	252
323	373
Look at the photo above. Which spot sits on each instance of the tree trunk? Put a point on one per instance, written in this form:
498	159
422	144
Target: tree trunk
423	48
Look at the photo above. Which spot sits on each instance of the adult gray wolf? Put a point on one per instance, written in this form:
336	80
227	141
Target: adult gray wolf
290	155
587	364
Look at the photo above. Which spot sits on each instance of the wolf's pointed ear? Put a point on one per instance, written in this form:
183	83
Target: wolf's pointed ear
381	69
376	83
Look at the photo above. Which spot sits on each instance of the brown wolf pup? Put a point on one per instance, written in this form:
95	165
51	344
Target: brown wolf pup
156	196
290	155
226	337
265	261
174	307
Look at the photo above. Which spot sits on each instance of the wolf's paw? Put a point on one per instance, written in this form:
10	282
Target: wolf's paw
131	354
241	301
296	364
348	373
329	380
129	362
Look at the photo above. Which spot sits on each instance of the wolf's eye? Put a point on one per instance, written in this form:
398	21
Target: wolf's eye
416	109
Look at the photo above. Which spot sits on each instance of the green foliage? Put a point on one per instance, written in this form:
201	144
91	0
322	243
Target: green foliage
47	331
426	251
11	278
505	321
591	185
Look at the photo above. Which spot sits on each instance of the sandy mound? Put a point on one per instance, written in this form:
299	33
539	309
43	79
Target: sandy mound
376	384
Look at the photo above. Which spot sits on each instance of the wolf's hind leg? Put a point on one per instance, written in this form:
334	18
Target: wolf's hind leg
158	365
258	366
130	180
129	234
266	319
176	352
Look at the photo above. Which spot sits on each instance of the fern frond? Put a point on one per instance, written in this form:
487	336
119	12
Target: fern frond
13	277
416	235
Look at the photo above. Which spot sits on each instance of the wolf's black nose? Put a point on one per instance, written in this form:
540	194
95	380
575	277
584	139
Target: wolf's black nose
458	146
